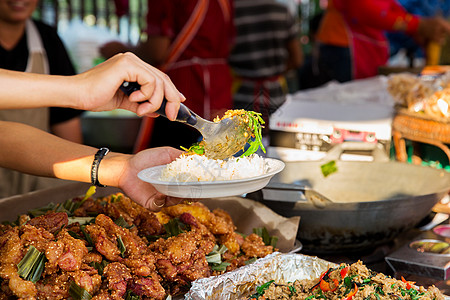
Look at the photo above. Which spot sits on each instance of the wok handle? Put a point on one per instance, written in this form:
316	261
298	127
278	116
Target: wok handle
378	153
294	193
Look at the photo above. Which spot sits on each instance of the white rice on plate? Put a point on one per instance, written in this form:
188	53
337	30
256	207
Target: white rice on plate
194	168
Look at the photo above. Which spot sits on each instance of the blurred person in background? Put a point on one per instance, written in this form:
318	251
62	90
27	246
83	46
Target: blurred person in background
190	41
353	44
267	46
27	45
426	8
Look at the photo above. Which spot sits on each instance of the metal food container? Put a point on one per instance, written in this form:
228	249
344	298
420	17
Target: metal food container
242	282
361	205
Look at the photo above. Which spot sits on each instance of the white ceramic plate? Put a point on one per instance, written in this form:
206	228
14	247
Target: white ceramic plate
210	189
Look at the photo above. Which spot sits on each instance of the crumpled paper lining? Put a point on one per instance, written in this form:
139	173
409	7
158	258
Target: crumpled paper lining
242	282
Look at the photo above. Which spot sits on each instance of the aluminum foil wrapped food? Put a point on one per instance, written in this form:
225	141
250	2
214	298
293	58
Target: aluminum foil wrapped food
242	282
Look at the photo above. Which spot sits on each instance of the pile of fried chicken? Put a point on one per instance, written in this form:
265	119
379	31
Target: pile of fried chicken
122	251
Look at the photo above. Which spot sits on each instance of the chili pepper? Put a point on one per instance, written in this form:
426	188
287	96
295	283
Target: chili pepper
325	286
320	279
344	271
351	294
409	284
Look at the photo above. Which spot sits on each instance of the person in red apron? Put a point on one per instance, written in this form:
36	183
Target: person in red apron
31	46
352	37
190	40
194	38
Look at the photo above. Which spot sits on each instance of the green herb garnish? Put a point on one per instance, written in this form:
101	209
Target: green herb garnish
197	148
329	168
260	290
255	122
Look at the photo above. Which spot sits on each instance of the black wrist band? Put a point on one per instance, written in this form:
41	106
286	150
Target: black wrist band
94	170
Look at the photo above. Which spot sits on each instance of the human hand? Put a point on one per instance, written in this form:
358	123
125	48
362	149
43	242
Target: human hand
142	192
98	88
434	29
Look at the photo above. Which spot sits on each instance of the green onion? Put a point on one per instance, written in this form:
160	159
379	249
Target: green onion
99	266
175	227
220	267
292	290
264	234
87	236
32	264
214	258
129	295
80	220
121	246
120	221
250	261
78	293
329	168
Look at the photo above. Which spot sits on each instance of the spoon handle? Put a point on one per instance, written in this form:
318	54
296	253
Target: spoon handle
184	115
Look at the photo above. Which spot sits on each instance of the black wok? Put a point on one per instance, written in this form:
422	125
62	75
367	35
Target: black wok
362	205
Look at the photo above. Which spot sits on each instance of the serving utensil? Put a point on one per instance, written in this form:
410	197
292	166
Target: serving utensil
222	139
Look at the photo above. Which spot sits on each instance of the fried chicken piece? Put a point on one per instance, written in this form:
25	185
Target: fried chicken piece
146	221
88	206
232	241
215	224
254	246
149	287
105	245
182	258
90	283
37	237
55	286
141	265
11	253
92	257
117	277
133	243
52	222
65	253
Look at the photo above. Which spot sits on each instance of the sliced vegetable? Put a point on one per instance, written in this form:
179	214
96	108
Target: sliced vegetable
78	293
325	285
352	293
120	221
344	272
90	192
264	234
261	289
329	168
121	246
32	264
409	284
175	227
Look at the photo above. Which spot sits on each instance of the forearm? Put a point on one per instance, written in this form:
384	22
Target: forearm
30	150
28	90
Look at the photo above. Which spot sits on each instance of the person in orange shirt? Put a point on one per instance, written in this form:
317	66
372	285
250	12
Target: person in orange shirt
352	41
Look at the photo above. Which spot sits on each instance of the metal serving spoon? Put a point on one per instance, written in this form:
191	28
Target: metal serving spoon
222	139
